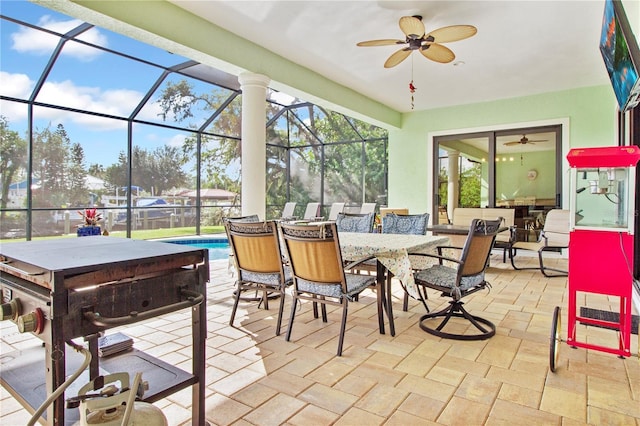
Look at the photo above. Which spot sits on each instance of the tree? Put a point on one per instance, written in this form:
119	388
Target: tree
13	156
306	138
470	179
50	155
155	171
78	191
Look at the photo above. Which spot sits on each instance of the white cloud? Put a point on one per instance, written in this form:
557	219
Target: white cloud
28	40
177	140
117	102
16	85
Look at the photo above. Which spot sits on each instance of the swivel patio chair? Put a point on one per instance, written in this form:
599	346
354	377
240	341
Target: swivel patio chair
553	237
259	262
318	274
467	277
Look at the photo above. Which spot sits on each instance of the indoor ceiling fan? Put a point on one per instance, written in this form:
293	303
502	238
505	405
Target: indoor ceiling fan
524	141
427	43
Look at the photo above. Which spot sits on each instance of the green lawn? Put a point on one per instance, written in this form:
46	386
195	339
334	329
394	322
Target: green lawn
147	234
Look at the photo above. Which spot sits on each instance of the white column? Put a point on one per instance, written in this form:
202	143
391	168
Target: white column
454	182
254	151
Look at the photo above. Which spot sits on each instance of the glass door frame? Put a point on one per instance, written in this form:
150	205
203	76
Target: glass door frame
492	136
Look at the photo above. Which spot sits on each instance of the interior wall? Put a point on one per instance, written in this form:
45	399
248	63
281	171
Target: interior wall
518	183
588	113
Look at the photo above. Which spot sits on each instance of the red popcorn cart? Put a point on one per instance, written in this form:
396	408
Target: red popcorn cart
601	246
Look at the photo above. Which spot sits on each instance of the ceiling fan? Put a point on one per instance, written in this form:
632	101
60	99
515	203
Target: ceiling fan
524	141
427	43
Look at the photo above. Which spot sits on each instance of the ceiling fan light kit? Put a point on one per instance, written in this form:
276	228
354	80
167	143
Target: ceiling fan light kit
428	44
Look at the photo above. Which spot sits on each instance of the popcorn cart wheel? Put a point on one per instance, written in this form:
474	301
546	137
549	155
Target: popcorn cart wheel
555	340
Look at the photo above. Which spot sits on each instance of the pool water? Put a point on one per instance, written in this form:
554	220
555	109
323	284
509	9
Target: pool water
218	248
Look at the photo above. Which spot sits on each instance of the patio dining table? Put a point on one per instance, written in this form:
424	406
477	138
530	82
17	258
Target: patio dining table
392	254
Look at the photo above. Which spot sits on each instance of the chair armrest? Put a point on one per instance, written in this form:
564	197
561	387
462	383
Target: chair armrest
440	248
355	263
544	237
439	256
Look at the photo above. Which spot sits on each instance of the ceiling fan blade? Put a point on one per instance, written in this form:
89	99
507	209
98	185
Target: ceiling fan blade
384	42
397	57
412	27
437	52
514	143
453	33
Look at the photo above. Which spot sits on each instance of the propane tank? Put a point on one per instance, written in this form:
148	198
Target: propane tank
108	404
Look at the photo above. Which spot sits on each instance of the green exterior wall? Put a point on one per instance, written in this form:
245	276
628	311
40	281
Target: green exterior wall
590	112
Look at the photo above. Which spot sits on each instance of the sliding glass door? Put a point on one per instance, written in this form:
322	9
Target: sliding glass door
516	168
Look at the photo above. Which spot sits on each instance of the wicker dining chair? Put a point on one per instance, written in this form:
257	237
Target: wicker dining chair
259	262
318	274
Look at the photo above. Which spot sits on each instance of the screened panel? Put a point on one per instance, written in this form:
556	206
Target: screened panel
299	132
343	171
220	163
305	175
331	126
277	132
229	120
13	155
375	173
276	178
366	130
183	101
13	225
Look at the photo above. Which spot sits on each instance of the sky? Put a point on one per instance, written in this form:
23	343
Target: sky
83	78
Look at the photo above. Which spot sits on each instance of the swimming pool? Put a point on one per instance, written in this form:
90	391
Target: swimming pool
218	247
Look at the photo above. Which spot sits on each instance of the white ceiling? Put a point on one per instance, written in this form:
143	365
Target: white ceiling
521	48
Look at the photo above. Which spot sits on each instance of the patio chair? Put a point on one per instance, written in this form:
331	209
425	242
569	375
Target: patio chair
457	282
347	222
386	210
259	262
553	237
318	273
414	224
248	218
368	208
335	209
311	213
288	211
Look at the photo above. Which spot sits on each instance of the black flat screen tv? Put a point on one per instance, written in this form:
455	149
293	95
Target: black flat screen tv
621	55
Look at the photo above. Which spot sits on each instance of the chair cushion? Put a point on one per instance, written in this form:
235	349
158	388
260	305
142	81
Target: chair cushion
346	223
270	279
407	224
355	284
444	276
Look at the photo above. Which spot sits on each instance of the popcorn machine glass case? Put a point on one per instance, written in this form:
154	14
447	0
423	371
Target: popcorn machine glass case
601	241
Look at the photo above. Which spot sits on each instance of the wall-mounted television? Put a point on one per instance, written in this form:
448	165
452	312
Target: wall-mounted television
621	55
